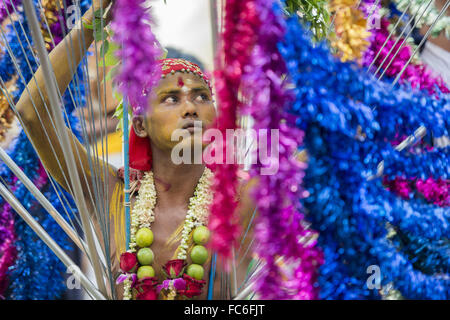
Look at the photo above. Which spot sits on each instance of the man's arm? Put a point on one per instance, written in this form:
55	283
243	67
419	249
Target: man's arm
37	120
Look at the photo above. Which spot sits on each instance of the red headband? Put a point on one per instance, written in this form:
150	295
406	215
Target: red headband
140	150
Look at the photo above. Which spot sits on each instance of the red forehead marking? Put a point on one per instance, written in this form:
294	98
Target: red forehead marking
180	82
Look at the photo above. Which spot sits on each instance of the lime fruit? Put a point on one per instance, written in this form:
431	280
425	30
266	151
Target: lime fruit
195	271
201	235
199	254
144	237
145	271
145	256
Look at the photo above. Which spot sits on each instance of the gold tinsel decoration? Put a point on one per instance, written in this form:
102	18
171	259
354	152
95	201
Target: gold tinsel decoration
350	28
50	13
6	116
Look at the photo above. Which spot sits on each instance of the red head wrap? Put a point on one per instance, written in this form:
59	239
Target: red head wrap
140	151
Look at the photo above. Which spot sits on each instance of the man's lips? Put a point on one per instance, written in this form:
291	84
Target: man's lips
193	126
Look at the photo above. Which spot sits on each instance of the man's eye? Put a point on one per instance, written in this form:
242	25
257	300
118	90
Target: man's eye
202	97
171	99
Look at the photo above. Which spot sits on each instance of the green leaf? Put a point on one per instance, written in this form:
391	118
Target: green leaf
100	35
88	26
98	24
98	13
314	12
117	95
118	113
111	73
110	57
103	49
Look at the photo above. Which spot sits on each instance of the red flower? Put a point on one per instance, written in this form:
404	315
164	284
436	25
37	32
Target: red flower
150	294
193	287
192	283
174	268
147	282
189	293
146	289
128	262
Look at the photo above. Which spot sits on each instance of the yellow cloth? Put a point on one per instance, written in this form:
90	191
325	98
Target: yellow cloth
114	143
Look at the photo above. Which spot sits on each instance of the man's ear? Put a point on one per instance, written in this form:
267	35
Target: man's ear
139	126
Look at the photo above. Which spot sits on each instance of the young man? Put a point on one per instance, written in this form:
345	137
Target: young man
179	99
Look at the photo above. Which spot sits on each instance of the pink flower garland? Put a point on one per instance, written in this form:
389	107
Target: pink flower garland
280	228
138	52
434	191
7	249
238	38
418	75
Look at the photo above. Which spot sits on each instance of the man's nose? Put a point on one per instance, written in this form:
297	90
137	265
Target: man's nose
189	110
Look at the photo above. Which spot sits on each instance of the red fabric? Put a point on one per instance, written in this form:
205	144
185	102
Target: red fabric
140	154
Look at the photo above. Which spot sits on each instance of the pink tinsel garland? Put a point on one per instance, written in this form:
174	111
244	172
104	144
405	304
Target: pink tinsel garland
7	249
434	191
237	41
418	75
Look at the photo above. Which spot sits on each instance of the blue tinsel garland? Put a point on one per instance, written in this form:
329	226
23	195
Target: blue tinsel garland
349	119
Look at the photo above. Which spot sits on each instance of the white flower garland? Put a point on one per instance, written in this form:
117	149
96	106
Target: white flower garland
143	215
418	7
197	213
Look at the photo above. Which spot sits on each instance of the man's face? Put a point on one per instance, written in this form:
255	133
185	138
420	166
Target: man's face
178	101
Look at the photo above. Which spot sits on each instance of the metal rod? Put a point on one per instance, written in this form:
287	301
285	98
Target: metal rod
126	165
28	218
411	139
44	202
421	42
233	266
388	38
51	87
402	44
41	198
214	26
212	275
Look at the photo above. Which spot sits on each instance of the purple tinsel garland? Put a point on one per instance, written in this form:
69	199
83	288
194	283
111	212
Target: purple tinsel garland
139	52
280	229
7	6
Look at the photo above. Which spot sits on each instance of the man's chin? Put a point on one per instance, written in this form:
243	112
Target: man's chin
192	146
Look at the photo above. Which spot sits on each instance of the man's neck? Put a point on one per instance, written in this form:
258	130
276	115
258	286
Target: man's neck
174	184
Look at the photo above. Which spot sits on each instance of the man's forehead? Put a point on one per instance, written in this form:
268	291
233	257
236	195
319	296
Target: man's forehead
180	80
